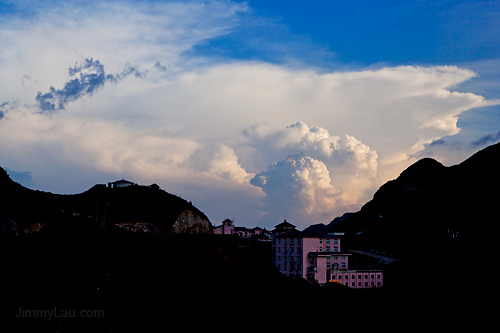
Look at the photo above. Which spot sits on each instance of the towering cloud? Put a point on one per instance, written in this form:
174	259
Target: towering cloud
321	175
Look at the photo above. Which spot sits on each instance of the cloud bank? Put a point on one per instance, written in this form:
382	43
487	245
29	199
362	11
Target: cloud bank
252	141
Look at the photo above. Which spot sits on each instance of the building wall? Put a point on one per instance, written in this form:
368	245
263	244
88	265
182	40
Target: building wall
224	229
288	255
359	279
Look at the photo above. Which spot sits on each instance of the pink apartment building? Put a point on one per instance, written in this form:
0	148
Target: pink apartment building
317	257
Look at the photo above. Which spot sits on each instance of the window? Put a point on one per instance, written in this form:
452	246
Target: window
333	277
279	258
327	264
311	259
359	284
335	257
353	284
279	249
321	241
327	241
366	276
359	277
327	249
378	283
353	276
372	283
343	265
366	284
343	257
372	276
335	241
335	249
327	257
347	277
378	276
321	249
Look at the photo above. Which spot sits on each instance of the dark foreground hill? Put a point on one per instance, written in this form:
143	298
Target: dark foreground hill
100	206
130	282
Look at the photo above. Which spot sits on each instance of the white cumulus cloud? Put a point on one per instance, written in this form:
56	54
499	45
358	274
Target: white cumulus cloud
320	175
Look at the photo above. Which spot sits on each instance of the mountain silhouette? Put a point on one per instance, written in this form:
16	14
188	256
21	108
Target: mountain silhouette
100	206
430	205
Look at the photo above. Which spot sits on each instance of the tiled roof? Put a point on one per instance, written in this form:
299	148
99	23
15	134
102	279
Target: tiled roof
284	224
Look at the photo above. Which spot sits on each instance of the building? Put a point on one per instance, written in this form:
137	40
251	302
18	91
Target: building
227	228
317	258
120	183
283	227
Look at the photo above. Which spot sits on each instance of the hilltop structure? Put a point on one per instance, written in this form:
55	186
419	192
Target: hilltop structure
317	258
120	183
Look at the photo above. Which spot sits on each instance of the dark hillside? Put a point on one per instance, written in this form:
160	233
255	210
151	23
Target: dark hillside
430	205
99	205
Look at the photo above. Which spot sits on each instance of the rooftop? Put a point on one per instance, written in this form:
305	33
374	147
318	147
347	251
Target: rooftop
300	234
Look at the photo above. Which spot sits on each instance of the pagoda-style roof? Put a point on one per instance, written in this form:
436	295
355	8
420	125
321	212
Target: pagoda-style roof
284	225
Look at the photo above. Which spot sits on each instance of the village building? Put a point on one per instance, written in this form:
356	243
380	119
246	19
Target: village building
317	258
228	228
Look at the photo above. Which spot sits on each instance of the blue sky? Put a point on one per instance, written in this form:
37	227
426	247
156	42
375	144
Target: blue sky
256	111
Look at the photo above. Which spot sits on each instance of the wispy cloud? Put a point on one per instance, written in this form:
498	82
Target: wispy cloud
462	146
85	80
484	140
6	107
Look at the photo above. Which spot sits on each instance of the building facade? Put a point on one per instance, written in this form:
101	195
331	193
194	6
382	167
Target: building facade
317	258
227	228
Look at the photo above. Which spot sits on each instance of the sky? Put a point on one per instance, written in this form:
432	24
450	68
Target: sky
257	111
